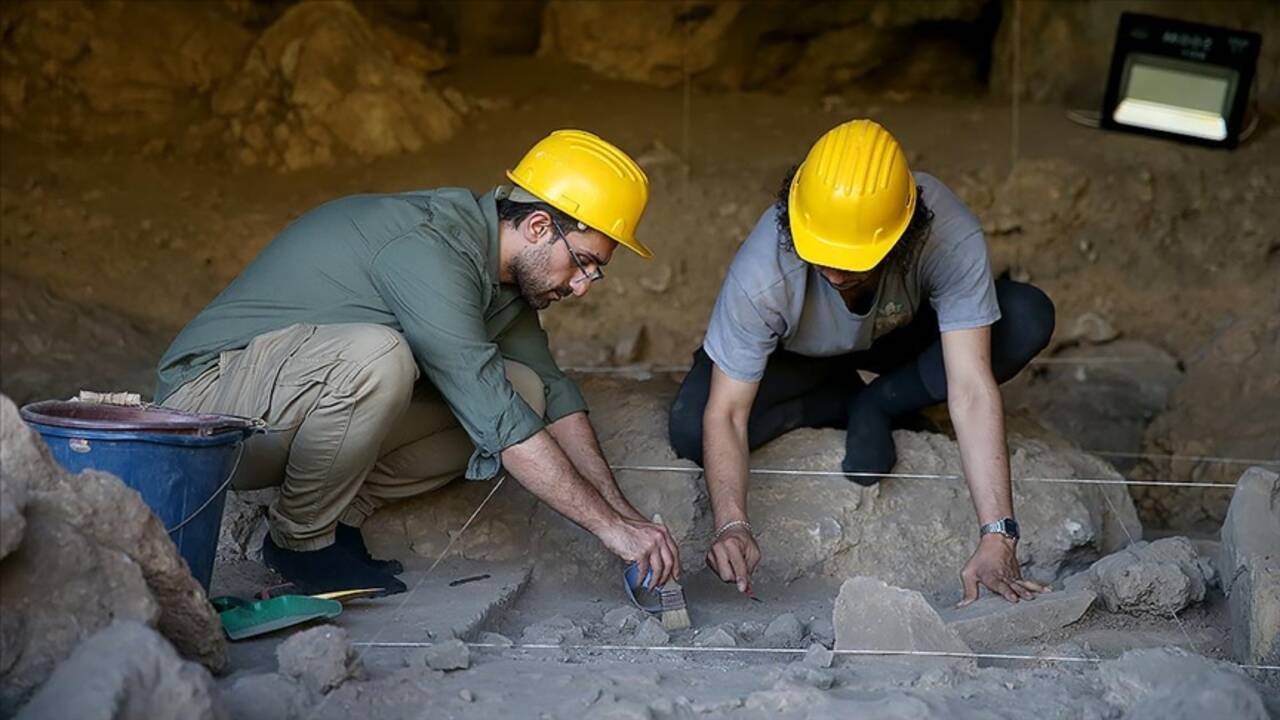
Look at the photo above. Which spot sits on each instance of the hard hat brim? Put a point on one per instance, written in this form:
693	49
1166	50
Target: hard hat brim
628	241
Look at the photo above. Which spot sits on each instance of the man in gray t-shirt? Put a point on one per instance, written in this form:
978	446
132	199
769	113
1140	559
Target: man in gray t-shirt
861	265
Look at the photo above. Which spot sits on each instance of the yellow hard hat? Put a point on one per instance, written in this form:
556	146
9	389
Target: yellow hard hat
852	198
590	180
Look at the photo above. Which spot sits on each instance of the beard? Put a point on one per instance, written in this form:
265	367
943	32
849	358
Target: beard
530	270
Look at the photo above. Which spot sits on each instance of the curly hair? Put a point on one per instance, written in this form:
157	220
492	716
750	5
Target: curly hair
904	253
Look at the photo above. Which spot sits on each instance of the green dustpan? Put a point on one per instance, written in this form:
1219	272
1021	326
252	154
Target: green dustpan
248	618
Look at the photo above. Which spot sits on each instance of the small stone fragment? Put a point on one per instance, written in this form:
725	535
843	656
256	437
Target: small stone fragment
449	655
818	656
651	633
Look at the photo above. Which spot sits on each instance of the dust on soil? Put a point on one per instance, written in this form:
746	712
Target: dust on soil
1173	245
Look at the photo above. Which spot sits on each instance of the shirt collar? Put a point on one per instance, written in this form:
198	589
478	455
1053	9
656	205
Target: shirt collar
489	209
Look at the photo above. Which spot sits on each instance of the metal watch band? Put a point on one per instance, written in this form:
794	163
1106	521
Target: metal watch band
1004	526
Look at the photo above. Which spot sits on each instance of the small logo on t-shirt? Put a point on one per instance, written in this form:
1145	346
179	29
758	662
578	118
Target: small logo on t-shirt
892	310
891	316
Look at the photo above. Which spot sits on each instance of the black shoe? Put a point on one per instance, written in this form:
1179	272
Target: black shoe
353	540
327	570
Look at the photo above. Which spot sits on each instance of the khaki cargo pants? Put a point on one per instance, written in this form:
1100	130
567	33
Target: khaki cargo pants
350	426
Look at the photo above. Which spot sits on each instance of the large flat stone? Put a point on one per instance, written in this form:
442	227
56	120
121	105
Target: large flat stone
873	615
1250	566
993	623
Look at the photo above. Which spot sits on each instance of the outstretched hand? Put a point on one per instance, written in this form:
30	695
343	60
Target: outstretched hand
994	565
734	556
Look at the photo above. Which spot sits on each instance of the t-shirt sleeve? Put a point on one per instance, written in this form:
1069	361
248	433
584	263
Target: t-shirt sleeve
524	341
436	296
739	339
961	289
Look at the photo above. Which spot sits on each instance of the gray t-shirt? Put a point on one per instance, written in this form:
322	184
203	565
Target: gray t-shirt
771	296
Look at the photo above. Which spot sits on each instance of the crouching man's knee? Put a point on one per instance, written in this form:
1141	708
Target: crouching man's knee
385	370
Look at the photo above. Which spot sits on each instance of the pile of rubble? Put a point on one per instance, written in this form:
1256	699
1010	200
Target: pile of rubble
319	83
86	572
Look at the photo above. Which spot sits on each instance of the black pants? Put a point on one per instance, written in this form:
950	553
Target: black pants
800	391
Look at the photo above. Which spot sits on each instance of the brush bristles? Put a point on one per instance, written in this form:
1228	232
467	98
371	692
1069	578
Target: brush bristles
675	616
675	619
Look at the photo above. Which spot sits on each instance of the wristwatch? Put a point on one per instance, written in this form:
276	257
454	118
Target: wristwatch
1005	526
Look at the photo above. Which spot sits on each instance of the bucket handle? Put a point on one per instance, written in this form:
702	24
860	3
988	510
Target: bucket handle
230	476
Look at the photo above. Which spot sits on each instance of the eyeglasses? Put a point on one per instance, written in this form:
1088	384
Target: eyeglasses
595	275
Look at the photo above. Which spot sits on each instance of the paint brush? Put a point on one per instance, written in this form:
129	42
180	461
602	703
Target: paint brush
675	614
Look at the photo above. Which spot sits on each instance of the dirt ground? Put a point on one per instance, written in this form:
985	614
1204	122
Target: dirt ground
110	247
1165	244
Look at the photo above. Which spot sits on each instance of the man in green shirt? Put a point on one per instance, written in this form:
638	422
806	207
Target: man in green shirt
391	343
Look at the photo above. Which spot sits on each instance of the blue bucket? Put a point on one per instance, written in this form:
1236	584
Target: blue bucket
180	463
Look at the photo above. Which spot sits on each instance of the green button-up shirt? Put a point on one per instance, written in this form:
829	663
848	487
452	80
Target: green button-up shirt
422	263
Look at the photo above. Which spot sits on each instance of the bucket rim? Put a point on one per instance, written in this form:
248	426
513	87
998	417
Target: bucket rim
143	418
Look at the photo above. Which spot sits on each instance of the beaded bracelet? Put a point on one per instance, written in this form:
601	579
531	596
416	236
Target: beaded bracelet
731	525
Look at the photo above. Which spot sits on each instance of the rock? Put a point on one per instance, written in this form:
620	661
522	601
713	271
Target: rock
558	630
92	552
1092	328
13	500
266	696
993	623
623	618
1225	407
125	672
800	673
320	658
1250	567
1158	578
330	79
818	656
873	615
493	638
466	695
785	631
58	588
658	45
105	69
650	633
244	525
449	655
820	525
718	636
815	525
1165	683
621	710
1105	405
822	631
796	701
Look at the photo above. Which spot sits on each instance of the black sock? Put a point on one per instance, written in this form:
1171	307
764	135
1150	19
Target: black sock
327	569
353	540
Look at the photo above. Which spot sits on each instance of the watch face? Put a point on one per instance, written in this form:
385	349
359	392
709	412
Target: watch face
1011	527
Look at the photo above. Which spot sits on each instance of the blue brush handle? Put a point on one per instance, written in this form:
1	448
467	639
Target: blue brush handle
631	582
